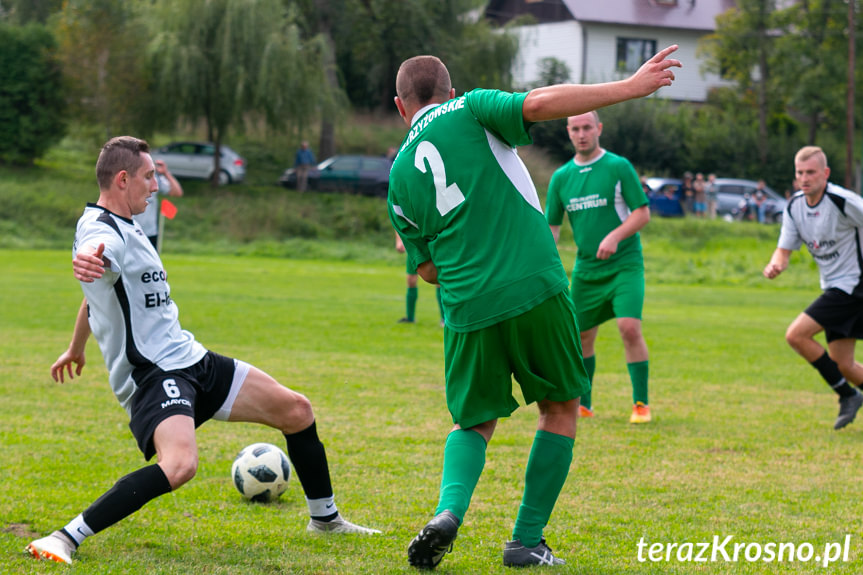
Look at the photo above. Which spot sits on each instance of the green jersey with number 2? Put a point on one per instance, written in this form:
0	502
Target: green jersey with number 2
460	196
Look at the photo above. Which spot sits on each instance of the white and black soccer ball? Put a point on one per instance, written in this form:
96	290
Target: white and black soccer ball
261	472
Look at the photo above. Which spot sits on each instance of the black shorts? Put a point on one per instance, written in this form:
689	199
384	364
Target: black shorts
840	314
198	391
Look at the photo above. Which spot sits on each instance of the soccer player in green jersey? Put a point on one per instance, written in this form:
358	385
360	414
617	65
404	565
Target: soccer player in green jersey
607	206
470	219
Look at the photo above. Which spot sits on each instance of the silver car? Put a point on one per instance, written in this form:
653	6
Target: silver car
733	194
195	160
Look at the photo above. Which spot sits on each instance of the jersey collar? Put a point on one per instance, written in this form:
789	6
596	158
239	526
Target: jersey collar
422	113
593	161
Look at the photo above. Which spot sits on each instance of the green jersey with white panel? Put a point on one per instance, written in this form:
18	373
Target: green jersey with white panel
597	197
461	197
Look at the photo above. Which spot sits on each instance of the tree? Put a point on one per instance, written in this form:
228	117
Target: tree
103	64
225	61
31	105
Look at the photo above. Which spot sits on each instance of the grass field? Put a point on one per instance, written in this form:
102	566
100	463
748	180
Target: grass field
741	445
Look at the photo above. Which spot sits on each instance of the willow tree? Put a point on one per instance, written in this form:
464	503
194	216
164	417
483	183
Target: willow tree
224	62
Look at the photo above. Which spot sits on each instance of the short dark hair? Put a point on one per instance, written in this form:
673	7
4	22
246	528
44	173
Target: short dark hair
118	154
423	79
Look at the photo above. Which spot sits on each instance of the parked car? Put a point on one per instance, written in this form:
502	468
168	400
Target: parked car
366	175
195	160
733	193
665	197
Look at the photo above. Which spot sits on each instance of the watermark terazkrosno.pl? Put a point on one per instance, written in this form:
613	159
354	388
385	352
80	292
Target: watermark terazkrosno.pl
727	549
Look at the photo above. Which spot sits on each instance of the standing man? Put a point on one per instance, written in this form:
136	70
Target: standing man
412	279
470	218
167	381
303	162
607	206
829	220
149	220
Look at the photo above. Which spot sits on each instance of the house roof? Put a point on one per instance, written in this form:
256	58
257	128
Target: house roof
686	14
682	14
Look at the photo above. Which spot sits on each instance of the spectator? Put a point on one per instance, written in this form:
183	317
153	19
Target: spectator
710	194
700	203
302	164
688	193
149	220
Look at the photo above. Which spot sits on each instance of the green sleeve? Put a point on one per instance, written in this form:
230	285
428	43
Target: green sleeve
633	193
553	206
416	247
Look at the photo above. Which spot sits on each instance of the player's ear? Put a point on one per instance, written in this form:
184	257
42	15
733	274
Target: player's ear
451	93
401	108
121	178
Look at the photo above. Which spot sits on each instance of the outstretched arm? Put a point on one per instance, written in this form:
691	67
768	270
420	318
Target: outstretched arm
564	100
89	265
778	263
75	352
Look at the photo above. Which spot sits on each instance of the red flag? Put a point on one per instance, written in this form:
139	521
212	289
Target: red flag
169	210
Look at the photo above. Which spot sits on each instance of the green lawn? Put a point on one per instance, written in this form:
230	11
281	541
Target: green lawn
741	445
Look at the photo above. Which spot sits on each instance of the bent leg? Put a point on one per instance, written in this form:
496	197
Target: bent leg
262	399
800	335
842	352
174	440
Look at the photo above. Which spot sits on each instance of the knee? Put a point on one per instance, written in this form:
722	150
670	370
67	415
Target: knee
793	338
180	471
298	415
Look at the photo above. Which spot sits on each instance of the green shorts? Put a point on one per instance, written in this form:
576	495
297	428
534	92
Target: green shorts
411	270
598	300
541	348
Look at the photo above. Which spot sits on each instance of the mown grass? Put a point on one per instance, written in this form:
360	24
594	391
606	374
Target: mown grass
308	287
741	445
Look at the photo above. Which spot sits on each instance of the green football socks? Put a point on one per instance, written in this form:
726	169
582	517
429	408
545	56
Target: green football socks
590	367
638	375
463	461
547	468
411	303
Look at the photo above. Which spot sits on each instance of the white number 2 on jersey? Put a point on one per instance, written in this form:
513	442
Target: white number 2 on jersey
447	197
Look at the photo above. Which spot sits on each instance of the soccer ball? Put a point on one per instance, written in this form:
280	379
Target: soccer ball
261	472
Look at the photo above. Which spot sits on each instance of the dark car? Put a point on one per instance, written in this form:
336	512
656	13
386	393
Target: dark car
665	197
365	175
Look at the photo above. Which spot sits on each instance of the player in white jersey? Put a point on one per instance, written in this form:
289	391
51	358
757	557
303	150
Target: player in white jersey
829	221
167	381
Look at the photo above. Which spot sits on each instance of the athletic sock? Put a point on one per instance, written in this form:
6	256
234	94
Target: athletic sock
128	494
590	367
547	469
463	461
638	376
439	302
309	459
831	374
411	303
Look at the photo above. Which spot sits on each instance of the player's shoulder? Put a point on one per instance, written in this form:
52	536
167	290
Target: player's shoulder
612	159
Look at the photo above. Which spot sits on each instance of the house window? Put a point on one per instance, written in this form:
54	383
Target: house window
633	52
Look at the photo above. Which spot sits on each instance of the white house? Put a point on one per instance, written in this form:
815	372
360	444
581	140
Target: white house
602	40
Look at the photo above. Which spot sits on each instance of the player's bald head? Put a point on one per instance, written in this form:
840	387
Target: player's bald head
423	79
